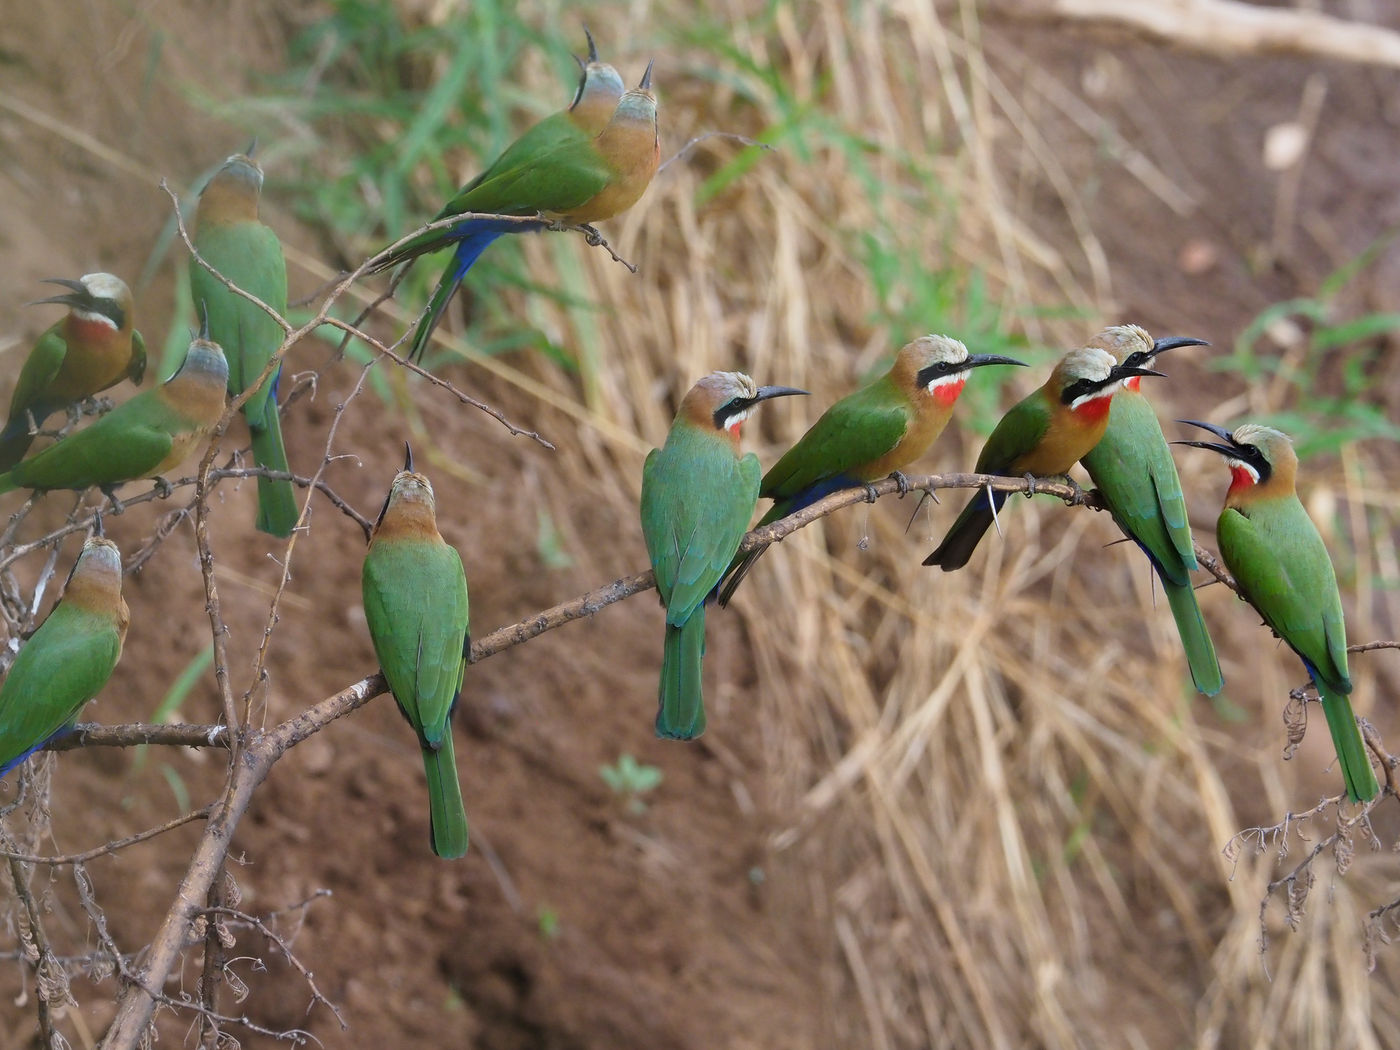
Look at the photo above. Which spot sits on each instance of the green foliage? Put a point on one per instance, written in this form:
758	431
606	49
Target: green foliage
1329	378
630	778
547	920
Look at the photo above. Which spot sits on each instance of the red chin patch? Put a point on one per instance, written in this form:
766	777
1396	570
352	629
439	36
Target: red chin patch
1134	383
1093	410
1241	478
733	428
946	394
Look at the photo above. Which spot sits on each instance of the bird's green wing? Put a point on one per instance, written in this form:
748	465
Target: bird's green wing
126	443
63	666
697	500
1132	467
852	433
249	255
544	137
556	179
415	598
38	372
1281	564
1019	431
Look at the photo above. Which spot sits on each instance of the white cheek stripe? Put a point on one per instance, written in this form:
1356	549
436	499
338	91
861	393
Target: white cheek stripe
1084	400
738	417
1242	465
90	316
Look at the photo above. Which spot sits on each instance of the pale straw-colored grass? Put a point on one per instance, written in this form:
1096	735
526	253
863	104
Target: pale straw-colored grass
997	783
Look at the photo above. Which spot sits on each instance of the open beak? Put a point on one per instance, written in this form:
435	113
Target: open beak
77	297
1226	447
1127	370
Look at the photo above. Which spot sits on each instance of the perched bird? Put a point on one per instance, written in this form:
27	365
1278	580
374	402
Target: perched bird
878	430
415	596
140	438
1132	468
573	175
230	237
68	660
698	495
1273	550
94	347
1042	436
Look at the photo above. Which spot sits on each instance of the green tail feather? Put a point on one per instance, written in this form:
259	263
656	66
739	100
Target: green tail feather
448	814
682	712
277	500
1195	639
1351	749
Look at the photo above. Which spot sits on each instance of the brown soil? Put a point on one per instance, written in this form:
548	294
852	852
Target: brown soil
573	922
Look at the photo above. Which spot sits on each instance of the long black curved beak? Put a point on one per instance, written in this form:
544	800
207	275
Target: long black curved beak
645	84
1226	447
978	360
592	47
766	392
77	295
1172	342
1127	370
408	457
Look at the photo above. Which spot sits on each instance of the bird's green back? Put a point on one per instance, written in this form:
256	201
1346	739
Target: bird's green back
65	663
415	599
1132	467
248	254
554	178
1281	564
697	499
857	430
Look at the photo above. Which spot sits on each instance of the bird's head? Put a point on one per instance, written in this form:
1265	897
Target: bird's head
600	86
723	400
98	298
1089	376
939	364
1131	345
1255	454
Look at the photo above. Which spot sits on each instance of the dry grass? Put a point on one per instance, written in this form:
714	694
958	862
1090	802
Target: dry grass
997	782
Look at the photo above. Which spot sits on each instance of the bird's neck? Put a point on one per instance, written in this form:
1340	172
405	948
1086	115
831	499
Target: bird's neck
93	329
408	520
226	201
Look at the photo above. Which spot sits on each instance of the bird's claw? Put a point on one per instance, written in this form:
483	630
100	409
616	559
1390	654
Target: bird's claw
163	488
591	235
1030	485
901	483
1076	492
870	494
111	494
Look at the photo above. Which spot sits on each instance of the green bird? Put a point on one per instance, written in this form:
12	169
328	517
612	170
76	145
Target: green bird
94	347
230	237
68	660
698	494
1273	550
415	597
1132	468
1041	436
567	173
142	438
878	430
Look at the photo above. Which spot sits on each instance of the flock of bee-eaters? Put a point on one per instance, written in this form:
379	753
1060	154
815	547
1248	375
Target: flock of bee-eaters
584	164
